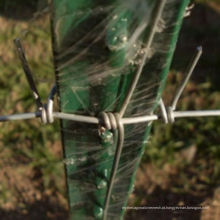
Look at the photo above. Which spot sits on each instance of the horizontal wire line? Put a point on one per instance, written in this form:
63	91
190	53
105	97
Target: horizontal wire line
95	120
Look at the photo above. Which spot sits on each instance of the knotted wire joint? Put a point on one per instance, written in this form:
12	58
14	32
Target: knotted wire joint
167	114
109	120
49	107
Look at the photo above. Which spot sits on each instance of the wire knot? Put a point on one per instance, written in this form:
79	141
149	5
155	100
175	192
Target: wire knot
167	114
46	111
43	116
110	121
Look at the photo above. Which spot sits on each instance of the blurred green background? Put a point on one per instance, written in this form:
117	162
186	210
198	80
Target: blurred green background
181	165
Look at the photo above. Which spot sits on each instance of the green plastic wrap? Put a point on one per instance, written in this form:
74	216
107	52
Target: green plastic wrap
98	48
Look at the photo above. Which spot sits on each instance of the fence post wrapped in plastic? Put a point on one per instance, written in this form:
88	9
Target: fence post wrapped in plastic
99	47
111	63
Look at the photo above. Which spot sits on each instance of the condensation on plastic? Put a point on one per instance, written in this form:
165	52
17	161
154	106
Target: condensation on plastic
98	47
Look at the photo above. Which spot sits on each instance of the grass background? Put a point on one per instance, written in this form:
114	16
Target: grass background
181	165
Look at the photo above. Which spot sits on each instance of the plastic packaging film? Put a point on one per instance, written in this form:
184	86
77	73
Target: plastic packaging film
98	48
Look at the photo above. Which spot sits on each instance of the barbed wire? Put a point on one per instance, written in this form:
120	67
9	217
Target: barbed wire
47	114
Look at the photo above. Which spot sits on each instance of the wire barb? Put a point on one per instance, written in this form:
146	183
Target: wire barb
118	126
28	73
188	74
152	32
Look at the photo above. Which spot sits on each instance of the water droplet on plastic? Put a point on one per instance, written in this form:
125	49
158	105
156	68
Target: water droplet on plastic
69	161
115	39
142	51
124	19
105	173
124	39
115	17
98	212
131	62
82	159
102	184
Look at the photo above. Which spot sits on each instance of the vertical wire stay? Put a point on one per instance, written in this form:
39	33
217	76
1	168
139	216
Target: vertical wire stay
187	76
28	73
159	9
120	143
152	32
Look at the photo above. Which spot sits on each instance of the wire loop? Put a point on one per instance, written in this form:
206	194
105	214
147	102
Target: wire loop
170	114
50	116
163	110
44	114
